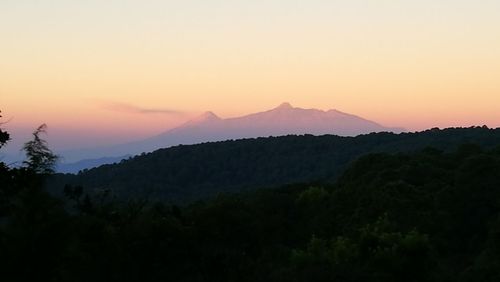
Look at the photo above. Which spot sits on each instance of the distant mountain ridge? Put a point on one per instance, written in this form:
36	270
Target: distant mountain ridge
87	163
208	127
283	120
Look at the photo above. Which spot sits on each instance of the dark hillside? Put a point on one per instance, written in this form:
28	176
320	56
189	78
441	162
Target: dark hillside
186	173
423	216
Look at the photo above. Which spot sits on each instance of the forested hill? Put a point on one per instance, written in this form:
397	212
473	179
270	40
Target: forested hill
418	217
186	173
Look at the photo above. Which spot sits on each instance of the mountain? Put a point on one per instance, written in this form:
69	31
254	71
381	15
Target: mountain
87	163
188	173
283	120
208	127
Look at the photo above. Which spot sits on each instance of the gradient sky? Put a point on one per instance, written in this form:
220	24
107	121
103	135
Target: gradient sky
98	72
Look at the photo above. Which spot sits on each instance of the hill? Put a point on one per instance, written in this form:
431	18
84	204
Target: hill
188	173
423	216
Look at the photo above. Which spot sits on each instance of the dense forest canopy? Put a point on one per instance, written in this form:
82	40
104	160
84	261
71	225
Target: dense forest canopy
183	174
426	215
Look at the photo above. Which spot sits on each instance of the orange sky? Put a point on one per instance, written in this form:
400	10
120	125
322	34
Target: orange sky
121	70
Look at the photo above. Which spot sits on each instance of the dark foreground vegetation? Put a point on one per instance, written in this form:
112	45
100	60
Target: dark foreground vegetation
423	216
183	174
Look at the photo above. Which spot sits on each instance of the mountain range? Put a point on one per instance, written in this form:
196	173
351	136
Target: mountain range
208	127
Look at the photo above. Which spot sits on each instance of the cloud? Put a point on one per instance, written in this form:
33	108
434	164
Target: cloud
128	108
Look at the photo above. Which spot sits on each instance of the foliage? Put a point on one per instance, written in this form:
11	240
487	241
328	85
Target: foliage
39	157
373	254
428	215
184	174
4	136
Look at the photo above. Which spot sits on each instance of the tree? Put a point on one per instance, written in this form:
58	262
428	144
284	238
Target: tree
4	136
39	157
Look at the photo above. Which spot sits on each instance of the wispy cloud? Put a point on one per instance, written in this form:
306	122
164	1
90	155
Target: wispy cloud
128	108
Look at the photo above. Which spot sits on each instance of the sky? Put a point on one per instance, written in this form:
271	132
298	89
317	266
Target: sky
101	72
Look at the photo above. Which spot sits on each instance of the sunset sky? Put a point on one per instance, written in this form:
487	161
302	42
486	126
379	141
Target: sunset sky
101	72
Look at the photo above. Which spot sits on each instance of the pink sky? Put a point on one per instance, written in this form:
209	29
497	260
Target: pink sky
101	72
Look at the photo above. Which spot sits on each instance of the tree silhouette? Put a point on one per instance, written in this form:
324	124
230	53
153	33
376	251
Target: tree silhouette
4	136
39	157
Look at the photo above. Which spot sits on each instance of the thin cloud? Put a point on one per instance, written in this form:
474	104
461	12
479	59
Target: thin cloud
128	108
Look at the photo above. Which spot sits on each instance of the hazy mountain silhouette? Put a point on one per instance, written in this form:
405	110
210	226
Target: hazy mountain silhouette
88	163
282	120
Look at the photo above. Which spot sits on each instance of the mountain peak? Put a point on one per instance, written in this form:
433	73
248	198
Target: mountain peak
206	116
285	106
